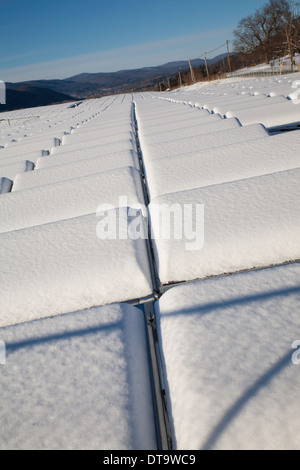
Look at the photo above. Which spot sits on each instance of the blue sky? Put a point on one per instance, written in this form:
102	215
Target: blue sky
58	39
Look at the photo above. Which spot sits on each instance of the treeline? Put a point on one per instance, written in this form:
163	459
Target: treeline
271	32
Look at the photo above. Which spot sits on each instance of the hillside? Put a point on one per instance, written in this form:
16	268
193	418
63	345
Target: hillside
89	85
26	96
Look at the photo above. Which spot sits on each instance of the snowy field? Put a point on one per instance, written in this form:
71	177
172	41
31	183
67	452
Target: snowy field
213	172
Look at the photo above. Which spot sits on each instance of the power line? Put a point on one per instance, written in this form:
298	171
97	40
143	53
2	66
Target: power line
214	50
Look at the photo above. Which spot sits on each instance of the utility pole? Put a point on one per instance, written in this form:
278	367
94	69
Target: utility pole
289	46
228	55
192	72
180	80
224	67
207	71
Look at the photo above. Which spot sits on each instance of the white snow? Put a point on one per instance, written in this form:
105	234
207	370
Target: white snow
77	382
243	105
228	163
202	142
83	142
19	156
71	198
165	125
29	145
104	136
158	137
110	160
63	267
74	169
247	223
272	115
265	100
77	367
227	348
13	169
88	150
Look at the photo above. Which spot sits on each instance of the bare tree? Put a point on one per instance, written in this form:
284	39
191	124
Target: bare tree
293	29
262	31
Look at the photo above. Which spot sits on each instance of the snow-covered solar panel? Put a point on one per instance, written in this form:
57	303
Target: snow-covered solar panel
223	222
182	123
81	141
228	163
71	198
11	170
28	145
67	266
110	160
188	132
78	381
75	169
20	156
248	223
97	133
202	142
270	116
227	348
113	146
241	105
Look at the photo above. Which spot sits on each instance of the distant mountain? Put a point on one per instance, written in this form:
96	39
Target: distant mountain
128	80
88	85
26	96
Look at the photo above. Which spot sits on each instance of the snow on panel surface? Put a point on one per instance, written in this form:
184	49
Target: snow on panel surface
113	147
78	381
247	223
241	104
172	116
270	116
26	148
227	348
206	141
107	125
21	156
187	132
170	125
97	135
74	169
228	163
258	96
110	160
83	142
211	101
10	171
63	267
71	198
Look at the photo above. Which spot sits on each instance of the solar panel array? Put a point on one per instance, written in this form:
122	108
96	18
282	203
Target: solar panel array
175	213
